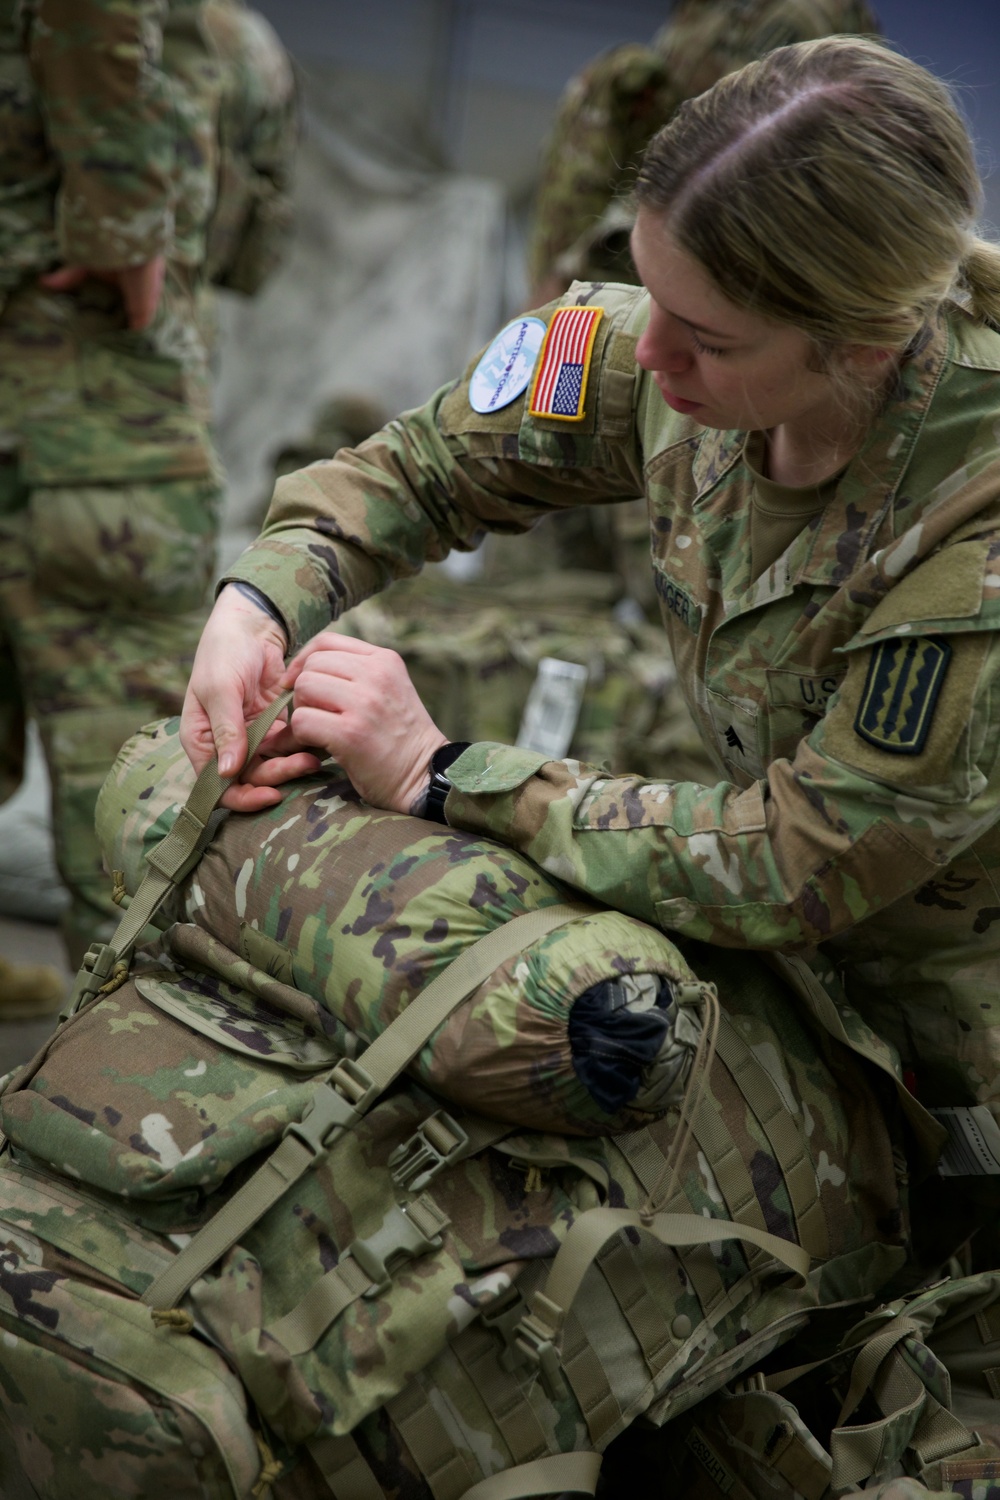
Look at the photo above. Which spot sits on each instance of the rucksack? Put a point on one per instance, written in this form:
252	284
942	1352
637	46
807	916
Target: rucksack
244	1251
909	1404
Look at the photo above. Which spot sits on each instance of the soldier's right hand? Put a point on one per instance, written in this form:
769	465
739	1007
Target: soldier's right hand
237	672
141	286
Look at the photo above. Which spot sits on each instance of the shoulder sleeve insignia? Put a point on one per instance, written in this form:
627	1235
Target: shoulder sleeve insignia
506	367
901	690
561	381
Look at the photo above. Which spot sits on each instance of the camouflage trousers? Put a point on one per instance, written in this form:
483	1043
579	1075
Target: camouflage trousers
109	508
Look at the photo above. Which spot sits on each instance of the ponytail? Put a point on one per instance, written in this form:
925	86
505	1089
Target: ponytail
979	276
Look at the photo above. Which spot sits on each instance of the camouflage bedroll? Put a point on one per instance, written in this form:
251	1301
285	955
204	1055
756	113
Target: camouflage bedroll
244	1252
585	1031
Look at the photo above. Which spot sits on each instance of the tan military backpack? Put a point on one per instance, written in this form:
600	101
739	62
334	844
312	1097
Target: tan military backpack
245	1248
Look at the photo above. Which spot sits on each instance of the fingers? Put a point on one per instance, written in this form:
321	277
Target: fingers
141	288
276	770
65	279
347	646
249	799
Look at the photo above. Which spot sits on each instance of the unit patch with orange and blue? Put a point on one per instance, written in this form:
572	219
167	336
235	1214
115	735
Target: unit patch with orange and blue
904	680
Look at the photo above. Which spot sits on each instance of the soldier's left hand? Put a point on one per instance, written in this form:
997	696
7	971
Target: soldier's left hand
356	702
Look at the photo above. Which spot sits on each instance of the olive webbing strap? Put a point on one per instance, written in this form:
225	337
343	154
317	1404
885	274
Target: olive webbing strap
562	1473
541	1327
338	1288
501	1392
437	1456
170	861
930	1135
352	1088
786	1138
348	1476
914	1418
343	1466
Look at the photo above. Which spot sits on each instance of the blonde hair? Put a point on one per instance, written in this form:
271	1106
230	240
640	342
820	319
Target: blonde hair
832	186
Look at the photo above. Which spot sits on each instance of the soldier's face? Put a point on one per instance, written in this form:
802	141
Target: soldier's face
719	363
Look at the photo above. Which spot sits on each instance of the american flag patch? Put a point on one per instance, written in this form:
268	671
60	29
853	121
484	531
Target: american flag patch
561	382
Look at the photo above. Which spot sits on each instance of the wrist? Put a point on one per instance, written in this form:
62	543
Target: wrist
261	606
430	804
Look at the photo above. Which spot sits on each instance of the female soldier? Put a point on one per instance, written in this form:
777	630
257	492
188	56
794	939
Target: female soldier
815	422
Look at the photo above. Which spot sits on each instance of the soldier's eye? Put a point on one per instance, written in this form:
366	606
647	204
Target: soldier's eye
706	348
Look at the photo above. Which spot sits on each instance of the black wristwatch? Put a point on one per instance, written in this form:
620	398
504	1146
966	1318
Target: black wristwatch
440	784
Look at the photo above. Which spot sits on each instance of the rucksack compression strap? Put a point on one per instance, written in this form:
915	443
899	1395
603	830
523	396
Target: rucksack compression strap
352	1088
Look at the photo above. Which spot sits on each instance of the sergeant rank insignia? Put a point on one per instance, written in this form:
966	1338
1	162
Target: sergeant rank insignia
901	690
561	381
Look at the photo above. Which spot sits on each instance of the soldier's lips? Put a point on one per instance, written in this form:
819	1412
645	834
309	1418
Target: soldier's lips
678	402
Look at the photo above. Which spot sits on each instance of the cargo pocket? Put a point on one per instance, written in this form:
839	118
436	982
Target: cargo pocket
130	548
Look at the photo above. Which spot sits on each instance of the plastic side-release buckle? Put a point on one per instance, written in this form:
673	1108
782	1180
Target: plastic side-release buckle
404	1234
350	1079
95	972
335	1106
536	1341
503	1317
437	1143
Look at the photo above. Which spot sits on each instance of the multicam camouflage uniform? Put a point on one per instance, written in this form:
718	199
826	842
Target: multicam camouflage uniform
846	695
257	134
613	108
109	486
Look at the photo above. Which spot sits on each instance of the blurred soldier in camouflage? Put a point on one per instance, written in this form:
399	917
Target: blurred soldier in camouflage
113	115
618	103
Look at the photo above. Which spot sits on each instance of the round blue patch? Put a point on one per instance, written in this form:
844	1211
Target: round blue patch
505	369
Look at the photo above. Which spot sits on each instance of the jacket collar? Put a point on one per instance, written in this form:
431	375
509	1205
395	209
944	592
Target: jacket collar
829	552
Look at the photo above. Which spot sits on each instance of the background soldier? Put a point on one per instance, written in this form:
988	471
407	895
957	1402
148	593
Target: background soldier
119	124
611	110
607	116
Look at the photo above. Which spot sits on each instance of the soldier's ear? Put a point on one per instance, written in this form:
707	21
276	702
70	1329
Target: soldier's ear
868	362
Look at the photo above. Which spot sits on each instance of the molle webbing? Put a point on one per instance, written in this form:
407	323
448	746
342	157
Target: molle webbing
787	1141
430	1443
582	1367
627	1282
348	1094
501	1392
646	1158
349	1477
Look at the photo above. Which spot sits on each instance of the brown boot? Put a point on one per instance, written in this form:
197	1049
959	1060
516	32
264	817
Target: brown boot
28	990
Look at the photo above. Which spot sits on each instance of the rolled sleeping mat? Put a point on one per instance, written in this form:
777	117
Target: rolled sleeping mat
589	1031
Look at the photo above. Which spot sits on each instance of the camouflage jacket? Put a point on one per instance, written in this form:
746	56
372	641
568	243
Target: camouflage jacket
612	109
848	695
107	133
258	134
